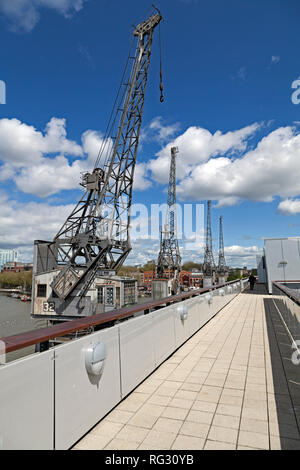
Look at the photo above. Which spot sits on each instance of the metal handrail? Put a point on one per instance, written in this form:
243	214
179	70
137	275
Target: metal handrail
289	292
42	335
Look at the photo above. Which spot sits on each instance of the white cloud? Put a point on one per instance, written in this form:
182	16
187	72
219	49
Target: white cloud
227	201
239	256
198	145
236	255
221	167
275	59
237	250
22	223
289	207
41	221
271	169
45	163
25	153
23	15
209	166
50	176
140	177
22	144
240	74
157	130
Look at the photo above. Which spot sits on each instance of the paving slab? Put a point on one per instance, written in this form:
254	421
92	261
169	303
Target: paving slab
231	386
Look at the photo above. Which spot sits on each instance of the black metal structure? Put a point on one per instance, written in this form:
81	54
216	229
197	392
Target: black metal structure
96	236
169	260
208	263
222	268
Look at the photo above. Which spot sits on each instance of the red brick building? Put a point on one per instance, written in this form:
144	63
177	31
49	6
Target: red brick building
148	277
15	267
187	279
191	279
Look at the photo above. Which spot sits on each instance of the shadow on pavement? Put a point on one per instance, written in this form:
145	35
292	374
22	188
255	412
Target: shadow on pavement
284	407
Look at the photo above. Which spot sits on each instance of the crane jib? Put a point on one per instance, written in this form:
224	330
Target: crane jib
95	236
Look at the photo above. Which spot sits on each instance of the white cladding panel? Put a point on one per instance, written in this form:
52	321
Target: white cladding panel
81	400
291	253
193	316
136	351
282	258
164	333
133	350
27	403
261	273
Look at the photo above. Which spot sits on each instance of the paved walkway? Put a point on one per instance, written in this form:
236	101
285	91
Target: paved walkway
231	386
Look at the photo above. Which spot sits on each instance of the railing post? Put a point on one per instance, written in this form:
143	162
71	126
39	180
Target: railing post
41	347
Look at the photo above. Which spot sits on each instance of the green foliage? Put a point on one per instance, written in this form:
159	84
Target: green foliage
189	265
12	280
149	267
127	270
236	274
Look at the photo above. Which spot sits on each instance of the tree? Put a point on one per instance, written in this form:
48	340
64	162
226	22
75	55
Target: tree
234	275
9	280
149	266
189	265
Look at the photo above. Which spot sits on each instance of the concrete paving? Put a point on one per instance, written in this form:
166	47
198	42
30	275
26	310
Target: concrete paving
231	386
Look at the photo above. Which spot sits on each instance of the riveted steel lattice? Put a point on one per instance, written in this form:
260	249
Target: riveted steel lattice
96	235
208	263
169	260
222	268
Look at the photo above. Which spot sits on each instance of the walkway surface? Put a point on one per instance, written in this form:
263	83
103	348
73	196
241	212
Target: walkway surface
231	386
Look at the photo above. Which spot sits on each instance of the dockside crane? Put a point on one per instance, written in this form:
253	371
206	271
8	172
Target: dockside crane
169	259
209	267
222	269
95	238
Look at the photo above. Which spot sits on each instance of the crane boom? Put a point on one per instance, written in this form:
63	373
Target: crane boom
96	236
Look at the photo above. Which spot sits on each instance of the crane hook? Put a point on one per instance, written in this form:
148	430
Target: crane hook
161	86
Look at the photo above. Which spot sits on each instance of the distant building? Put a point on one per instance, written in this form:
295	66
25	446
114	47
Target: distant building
148	278
191	279
138	276
261	269
15	267
7	256
280	261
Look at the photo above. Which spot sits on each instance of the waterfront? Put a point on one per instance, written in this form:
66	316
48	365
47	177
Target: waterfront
15	318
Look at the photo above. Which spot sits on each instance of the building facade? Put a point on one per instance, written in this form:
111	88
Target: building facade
7	256
280	262
15	267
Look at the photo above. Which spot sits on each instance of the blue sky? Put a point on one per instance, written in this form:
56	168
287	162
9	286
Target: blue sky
228	72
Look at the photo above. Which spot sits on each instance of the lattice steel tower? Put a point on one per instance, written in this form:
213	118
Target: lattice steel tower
222	269
208	264
169	260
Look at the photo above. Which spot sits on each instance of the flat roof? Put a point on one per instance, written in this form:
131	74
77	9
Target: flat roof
281	238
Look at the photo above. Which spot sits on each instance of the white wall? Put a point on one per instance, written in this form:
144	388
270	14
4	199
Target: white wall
261	273
27	403
282	258
52	394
